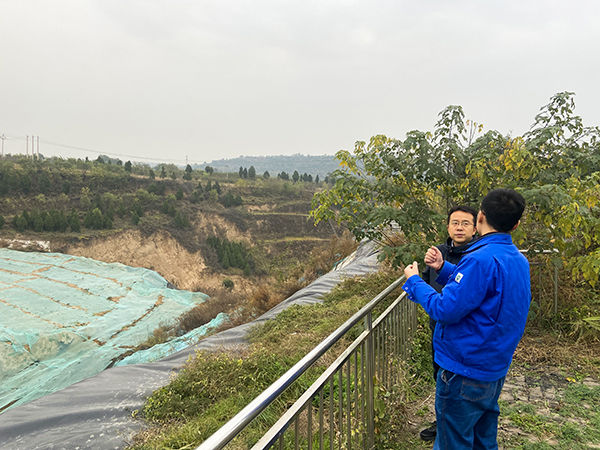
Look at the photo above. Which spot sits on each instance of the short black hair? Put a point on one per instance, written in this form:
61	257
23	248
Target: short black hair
464	208
503	208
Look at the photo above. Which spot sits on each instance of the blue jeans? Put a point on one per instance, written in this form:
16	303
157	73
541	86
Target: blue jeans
466	412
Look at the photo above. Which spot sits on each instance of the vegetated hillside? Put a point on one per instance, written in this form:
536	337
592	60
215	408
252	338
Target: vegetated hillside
321	165
133	215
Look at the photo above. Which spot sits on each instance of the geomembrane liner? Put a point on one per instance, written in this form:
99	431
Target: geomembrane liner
65	318
96	413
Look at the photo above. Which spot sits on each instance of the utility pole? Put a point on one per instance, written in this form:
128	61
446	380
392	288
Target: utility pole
27	146
3	137
38	148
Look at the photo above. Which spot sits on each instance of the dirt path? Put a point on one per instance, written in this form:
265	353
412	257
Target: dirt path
550	400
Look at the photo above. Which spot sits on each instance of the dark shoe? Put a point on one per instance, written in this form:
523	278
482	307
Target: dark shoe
428	434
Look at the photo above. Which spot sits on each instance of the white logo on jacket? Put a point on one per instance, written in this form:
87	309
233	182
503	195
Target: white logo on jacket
458	277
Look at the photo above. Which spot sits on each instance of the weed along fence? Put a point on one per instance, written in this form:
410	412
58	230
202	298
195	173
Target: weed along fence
340	408
544	282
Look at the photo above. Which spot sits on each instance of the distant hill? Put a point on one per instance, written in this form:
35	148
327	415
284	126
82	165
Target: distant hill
320	165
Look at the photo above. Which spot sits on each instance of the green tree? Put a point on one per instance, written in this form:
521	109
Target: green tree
65	187
209	170
127	167
152	175
137	207
225	261
179	194
75	223
2	221
85	201
121	211
49	224
266	175
44	183
94	219
390	186
252	173
135	219
181	221
188	173
25	182
163	172
295	176
196	197
19	223
241	172
38	224
107	222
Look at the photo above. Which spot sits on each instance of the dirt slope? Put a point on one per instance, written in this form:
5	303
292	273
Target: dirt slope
159	252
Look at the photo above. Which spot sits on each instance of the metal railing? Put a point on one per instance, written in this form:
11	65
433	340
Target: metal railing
340	408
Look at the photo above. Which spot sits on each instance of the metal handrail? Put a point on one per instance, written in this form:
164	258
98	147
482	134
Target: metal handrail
232	428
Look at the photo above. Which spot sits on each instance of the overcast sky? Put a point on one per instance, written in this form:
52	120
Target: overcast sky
213	79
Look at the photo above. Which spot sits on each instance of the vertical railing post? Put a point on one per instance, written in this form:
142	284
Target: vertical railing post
370	372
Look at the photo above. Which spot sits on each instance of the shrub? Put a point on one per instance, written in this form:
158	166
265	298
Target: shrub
65	187
228	283
74	223
181	221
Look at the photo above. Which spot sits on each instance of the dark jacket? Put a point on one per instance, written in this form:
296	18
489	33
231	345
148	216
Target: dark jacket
449	253
482	310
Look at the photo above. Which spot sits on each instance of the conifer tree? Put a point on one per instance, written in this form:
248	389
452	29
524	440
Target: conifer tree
74	223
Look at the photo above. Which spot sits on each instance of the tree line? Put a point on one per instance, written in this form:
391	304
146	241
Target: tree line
250	173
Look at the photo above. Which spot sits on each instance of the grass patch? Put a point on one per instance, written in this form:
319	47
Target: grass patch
212	387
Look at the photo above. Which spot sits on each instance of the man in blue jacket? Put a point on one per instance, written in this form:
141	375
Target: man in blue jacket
481	315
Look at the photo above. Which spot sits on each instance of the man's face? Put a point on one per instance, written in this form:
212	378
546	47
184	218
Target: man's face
461	227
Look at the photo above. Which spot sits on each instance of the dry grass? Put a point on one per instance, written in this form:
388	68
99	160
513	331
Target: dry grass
240	308
541	349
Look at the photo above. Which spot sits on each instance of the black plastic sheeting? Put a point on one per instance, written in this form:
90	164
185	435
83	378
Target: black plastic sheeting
96	413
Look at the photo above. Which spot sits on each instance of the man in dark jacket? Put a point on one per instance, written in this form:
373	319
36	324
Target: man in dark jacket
461	230
481	315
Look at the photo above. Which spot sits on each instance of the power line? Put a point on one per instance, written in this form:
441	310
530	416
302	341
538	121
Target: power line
8	136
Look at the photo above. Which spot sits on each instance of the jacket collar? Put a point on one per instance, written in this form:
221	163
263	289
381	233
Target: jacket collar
495	237
459	248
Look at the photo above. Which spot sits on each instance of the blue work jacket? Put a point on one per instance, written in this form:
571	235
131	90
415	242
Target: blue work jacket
482	309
